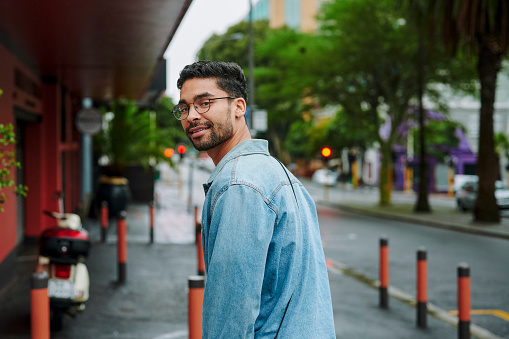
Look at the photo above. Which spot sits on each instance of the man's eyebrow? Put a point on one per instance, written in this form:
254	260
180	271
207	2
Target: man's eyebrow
197	96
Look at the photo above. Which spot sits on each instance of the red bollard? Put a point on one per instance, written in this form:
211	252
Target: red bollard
122	246
384	272
195	305
40	306
104	220
199	247
151	212
422	287
463	301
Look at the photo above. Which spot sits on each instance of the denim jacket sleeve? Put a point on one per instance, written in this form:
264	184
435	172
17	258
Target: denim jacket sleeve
236	243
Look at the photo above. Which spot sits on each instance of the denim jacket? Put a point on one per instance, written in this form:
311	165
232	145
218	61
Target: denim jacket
265	266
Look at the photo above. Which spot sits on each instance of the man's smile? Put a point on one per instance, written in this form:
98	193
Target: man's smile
197	131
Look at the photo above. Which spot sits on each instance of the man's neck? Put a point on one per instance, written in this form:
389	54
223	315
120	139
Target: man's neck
218	152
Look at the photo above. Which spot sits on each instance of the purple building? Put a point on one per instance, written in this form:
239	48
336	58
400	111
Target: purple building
461	157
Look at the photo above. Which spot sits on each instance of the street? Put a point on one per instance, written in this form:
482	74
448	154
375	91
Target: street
353	240
153	302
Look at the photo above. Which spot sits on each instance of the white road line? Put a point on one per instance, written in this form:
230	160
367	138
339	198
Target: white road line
174	335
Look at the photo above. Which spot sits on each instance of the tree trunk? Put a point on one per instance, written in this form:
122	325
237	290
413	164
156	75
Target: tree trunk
422	204
385	185
486	208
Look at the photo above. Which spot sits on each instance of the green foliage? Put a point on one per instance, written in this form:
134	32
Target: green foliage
502	144
365	59
281	80
278	57
169	129
297	141
344	132
440	137
131	136
232	46
479	28
8	163
281	83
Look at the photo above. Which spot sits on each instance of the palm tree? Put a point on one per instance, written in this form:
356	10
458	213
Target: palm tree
482	29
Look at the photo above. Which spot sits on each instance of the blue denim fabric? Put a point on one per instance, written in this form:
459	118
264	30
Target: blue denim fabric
262	249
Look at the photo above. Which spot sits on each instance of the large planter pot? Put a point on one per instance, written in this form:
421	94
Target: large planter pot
141	183
115	191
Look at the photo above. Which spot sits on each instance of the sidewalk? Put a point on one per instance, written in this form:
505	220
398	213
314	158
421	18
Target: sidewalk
153	301
444	213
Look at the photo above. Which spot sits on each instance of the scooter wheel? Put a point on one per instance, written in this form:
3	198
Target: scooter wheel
56	320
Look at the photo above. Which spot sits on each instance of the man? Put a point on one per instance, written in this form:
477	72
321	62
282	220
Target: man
266	273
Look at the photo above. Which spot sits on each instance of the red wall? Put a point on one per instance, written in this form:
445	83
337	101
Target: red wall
43	149
10	98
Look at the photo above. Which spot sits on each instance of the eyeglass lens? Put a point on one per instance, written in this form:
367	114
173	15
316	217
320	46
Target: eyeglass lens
202	105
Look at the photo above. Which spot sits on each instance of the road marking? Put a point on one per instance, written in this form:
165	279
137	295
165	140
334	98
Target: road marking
174	335
433	310
497	313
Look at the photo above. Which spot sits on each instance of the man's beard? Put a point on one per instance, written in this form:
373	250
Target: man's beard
218	133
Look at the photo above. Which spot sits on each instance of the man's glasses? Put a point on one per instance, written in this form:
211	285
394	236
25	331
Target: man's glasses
201	105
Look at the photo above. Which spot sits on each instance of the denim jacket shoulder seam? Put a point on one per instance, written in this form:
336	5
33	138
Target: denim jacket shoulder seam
246	184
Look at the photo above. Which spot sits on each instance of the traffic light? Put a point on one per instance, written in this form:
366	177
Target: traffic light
169	152
181	149
326	152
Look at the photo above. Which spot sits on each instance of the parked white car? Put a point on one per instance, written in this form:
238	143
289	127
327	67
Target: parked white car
460	179
467	195
325	177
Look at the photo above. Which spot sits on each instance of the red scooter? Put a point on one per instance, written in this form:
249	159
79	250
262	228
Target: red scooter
62	253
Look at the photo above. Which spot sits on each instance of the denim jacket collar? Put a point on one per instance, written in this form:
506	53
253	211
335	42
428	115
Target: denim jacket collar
250	146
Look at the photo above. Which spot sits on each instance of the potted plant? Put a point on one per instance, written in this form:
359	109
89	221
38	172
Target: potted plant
131	143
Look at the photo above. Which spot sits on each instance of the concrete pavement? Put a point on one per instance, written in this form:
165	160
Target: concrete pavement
153	301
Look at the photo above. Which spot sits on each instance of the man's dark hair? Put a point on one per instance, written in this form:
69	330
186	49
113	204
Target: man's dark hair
229	75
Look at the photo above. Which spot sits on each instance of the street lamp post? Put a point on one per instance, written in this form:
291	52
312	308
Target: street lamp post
251	83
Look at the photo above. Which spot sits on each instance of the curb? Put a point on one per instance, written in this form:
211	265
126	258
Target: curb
431	223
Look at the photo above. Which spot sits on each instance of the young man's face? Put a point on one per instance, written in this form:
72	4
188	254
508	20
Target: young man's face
211	129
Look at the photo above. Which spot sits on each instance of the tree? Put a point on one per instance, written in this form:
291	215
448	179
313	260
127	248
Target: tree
298	140
373	75
440	137
279	57
282	85
370	54
345	132
482	29
232	46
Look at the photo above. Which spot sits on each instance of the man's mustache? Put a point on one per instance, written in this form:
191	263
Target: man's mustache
204	125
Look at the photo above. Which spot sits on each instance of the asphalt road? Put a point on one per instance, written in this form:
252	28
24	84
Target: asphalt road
353	240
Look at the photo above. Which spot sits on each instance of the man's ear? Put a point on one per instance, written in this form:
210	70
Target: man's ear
240	107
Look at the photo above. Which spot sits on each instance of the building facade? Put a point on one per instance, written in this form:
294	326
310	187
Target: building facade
297	14
52	57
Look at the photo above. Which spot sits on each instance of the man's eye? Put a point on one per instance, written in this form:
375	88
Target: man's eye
204	103
184	109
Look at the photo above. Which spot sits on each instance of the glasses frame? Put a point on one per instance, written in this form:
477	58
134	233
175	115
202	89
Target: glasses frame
176	107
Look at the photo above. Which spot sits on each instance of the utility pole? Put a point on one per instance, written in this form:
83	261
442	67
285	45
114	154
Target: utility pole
251	83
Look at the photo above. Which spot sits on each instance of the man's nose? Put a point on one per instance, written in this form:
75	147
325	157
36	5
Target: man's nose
192	113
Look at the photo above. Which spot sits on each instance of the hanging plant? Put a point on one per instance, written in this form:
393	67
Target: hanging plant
8	163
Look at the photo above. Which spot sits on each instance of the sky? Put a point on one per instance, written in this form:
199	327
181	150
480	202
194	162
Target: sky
202	20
